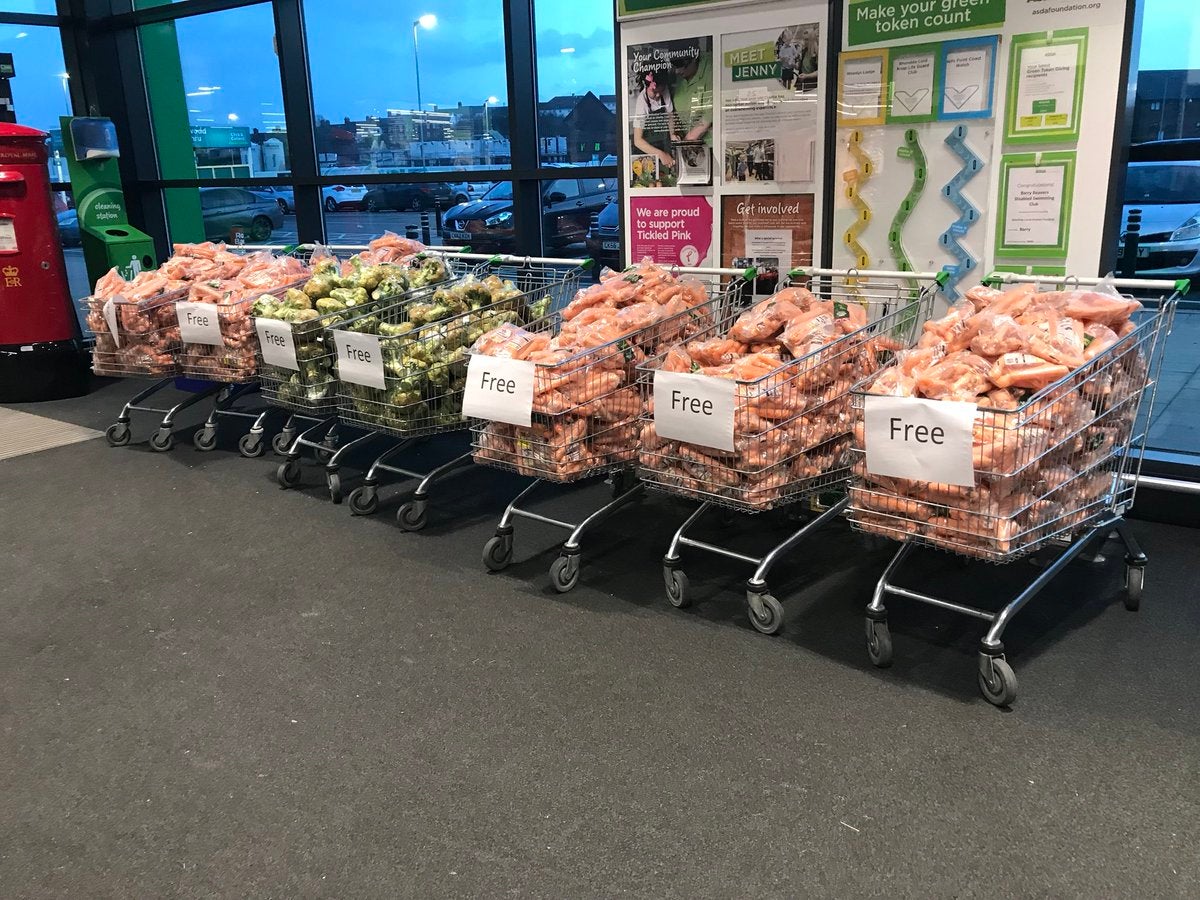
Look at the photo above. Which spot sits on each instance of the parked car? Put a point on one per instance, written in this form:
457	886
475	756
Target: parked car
343	196
466	191
284	196
1167	191
228	210
414	196
604	237
68	228
567	208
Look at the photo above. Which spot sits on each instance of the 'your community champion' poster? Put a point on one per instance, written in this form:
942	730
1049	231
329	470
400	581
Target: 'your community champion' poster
769	96
670	87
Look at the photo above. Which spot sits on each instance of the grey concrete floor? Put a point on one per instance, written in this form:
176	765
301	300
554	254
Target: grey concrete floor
213	687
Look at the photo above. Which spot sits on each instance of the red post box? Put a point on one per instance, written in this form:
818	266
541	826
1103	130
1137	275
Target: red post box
40	346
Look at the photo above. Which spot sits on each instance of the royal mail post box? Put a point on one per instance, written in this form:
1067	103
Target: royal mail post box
40	343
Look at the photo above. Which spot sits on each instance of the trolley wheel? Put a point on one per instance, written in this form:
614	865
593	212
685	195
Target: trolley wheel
564	573
282	442
879	643
288	473
162	440
1001	689
1135	579
333	481
205	439
677	587
363	500
251	445
497	552
770	621
411	516
117	434
325	451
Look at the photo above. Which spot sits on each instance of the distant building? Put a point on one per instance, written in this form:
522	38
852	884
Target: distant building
1167	105
591	130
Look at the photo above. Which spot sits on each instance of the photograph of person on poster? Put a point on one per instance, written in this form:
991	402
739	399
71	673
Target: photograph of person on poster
653	118
669	91
694	89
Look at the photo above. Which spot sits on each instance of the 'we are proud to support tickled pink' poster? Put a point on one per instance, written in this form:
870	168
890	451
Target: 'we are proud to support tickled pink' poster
674	231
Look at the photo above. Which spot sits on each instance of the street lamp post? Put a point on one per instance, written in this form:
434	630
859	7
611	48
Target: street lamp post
487	127
426	21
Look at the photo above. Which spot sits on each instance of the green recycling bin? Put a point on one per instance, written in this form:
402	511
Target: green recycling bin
123	246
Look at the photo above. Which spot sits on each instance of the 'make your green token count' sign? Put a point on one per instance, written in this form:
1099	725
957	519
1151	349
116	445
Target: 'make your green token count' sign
885	20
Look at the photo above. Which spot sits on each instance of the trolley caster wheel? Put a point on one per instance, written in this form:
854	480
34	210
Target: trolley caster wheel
564	573
282	442
677	587
205	439
288	474
497	552
251	446
411	516
162	441
117	435
1000	688
879	643
333	481
324	452
363	500
1135	579
770	620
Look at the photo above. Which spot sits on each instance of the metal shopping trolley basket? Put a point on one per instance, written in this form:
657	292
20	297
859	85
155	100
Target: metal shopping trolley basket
784	432
585	408
423	346
1058	470
138	337
227	354
298	374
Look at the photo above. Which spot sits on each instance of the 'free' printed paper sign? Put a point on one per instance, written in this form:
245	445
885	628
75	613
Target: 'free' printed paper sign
359	358
278	347
697	409
925	440
499	390
198	324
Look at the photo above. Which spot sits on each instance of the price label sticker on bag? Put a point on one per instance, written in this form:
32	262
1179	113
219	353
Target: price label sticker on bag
360	361
198	323
924	440
499	390
278	346
697	409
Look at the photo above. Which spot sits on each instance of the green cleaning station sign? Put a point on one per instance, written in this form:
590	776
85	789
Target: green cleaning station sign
872	21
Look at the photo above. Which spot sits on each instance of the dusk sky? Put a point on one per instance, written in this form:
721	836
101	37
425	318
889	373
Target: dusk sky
362	60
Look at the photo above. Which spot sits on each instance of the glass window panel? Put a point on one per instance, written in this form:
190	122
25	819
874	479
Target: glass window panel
1163	181
577	103
39	87
232	101
37	7
441	214
577	214
456	119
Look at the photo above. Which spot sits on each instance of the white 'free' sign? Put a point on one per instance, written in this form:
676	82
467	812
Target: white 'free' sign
499	390
198	324
278	346
694	408
924	440
360	360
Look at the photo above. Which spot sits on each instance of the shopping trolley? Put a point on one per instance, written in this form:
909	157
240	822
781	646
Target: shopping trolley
231	361
585	420
790	428
139	338
1058	471
424	345
309	391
